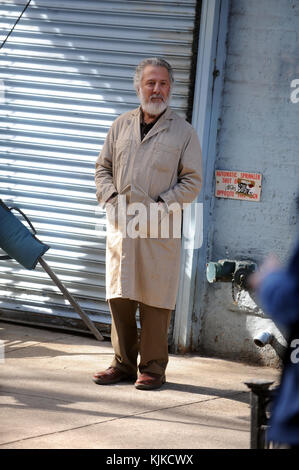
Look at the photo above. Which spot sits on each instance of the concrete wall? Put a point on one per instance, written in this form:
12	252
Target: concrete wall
258	133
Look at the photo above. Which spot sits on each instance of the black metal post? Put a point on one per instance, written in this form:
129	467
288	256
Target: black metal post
260	396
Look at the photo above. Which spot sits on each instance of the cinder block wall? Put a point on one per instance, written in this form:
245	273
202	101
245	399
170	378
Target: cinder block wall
259	131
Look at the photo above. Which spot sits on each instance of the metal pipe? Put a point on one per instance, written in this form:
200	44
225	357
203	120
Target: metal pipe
71	300
263	338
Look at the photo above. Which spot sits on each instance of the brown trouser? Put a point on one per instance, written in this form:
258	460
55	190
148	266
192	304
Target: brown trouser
152	344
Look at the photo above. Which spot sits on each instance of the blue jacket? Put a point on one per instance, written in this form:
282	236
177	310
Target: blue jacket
279	297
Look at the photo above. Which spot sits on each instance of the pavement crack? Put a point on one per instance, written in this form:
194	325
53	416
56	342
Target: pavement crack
11	349
34	396
229	395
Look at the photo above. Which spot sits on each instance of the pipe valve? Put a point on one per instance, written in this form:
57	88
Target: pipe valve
233	271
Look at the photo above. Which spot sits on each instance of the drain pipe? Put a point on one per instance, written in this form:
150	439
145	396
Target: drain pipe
263	338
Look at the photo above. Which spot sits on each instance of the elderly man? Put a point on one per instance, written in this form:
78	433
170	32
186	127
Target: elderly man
151	157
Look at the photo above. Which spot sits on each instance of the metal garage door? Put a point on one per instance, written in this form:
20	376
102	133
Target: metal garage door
65	74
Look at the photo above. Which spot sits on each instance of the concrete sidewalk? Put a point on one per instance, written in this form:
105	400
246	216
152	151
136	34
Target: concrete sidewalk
48	400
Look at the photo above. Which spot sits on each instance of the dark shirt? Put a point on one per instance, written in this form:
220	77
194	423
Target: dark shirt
145	128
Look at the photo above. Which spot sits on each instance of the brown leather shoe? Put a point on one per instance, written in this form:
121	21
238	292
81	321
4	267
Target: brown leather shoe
149	381
112	375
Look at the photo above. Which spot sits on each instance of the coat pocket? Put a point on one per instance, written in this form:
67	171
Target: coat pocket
121	155
164	168
121	152
166	158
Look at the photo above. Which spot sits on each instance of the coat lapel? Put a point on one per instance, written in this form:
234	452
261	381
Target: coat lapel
136	124
162	124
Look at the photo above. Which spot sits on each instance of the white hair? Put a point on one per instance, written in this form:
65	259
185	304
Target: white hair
151	61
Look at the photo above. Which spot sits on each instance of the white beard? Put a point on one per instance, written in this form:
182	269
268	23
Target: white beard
153	108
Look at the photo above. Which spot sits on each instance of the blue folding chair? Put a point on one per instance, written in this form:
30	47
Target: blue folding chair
23	246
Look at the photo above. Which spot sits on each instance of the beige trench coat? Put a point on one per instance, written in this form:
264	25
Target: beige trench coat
166	163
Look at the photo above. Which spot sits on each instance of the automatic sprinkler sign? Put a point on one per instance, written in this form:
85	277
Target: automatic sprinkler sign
238	185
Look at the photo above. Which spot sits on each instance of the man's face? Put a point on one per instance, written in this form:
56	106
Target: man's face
154	91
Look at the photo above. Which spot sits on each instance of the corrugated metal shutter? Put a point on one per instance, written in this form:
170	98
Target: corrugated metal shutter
66	74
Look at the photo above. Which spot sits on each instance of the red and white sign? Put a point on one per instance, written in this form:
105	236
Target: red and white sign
238	185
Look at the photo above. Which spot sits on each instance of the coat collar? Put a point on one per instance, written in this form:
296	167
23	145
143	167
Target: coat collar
169	114
161	124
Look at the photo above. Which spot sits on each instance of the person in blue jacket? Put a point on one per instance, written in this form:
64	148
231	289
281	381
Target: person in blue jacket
278	292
